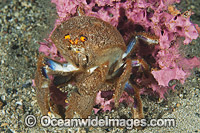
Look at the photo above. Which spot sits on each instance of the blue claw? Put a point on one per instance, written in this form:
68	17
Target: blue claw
67	67
129	47
52	64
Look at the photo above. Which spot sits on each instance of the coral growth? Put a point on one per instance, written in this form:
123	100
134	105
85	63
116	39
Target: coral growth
158	17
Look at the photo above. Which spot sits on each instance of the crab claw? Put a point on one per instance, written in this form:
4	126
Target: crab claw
55	67
67	67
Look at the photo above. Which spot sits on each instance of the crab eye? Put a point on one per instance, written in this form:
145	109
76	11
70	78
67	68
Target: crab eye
67	36
83	38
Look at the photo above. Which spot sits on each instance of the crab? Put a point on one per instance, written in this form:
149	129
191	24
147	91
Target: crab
97	59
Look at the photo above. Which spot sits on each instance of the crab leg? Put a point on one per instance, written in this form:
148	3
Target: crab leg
149	38
137	110
140	62
129	47
42	90
121	81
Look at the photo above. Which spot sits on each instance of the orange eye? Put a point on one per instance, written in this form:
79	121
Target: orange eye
83	38
67	36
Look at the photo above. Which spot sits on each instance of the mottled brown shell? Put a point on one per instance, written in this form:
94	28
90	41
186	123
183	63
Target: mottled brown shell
102	40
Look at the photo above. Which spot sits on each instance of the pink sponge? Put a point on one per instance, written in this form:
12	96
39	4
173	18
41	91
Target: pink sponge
165	75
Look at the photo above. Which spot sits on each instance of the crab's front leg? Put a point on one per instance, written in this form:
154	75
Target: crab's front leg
82	101
47	69
42	87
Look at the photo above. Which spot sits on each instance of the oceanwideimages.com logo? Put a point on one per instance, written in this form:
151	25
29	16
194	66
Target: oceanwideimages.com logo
95	122
47	121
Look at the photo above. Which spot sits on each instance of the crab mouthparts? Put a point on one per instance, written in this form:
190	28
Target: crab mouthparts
76	48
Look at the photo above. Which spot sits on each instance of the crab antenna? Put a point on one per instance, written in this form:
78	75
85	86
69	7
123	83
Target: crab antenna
130	47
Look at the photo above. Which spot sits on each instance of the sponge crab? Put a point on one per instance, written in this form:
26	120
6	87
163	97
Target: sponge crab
96	59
